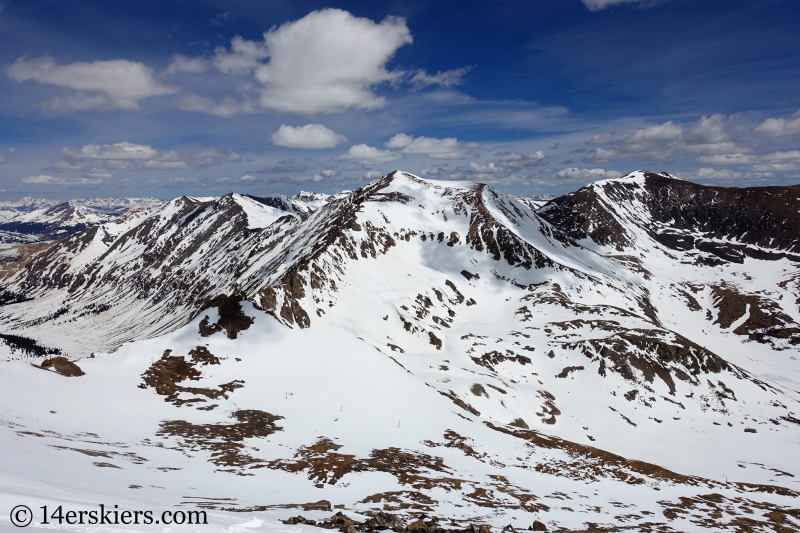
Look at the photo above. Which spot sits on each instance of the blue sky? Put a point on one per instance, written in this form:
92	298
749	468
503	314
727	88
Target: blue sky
163	98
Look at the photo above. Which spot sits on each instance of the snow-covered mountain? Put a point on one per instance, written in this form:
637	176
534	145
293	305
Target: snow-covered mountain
625	355
535	201
39	219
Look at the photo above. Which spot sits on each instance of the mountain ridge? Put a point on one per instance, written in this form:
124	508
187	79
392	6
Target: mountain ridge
472	322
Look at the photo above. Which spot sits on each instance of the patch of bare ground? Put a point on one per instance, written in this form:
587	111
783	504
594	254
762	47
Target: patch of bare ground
324	465
411	522
553	294
165	375
792	280
25	254
591	464
717	512
401	500
765	323
85	437
435	341
461	403
129	456
225	441
520	423
206	502
63	366
521	498
454	440
633	263
478	390
494	357
653	353
106	465
568	370
549	411
321	505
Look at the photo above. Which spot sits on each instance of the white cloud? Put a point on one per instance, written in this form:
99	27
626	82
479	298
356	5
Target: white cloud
447	148
130	157
164	165
655	132
329	173
596	5
712	139
12	150
44	179
516	161
792	155
373	175
3	158
104	85
600	155
329	61
495	170
474	171
121	150
602	138
725	159
228	107
367	155
448	78
656	142
710	130
435	172
774	162
70	166
710	173
776	167
244	57
98	174
221	18
183	64
114	164
309	137
774	127
477	168
200	157
711	135
587	174
779	162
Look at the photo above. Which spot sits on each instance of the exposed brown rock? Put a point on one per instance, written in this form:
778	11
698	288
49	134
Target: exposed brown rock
165	375
225	440
231	317
63	366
